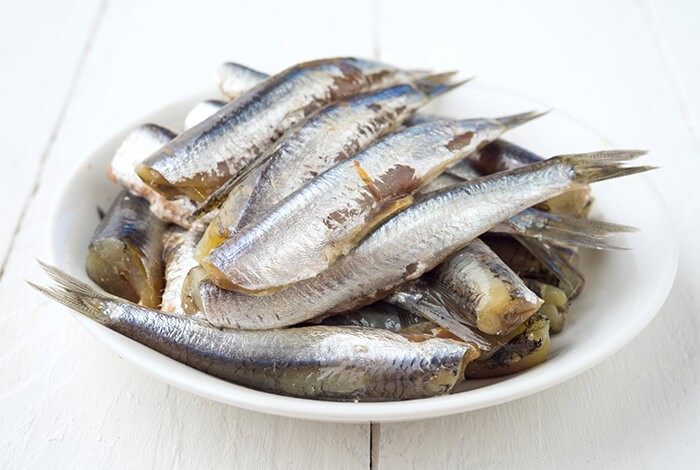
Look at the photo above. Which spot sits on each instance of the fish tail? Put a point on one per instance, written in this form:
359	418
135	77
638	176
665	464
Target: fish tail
571	281
432	89
75	294
575	231
514	120
425	77
603	165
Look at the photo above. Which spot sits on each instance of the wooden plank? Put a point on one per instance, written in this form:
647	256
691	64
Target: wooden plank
34	86
673	25
66	400
600	63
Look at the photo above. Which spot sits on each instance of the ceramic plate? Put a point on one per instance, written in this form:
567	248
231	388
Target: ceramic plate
624	289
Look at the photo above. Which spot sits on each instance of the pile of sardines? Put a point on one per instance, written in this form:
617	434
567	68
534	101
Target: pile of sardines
313	235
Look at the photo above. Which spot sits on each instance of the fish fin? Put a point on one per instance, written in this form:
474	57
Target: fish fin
433	90
218	197
434	78
514	120
66	281
214	200
572	231
570	280
69	283
90	306
422	302
603	165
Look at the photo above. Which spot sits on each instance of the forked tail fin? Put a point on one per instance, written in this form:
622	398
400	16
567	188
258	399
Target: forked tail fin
572	231
75	294
603	165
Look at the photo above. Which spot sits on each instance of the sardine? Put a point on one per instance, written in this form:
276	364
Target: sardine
535	259
178	258
411	243
236	79
502	155
124	257
548	229
478	290
310	229
306	151
320	362
463	293
529	348
533	223
139	144
419	298
202	158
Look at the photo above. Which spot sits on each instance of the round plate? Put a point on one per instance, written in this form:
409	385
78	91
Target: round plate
624	289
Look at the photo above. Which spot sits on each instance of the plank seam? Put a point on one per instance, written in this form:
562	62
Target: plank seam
374	441
54	133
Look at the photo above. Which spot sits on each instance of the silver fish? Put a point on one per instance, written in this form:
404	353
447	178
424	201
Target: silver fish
178	258
548	228
502	155
124	256
418	297
477	289
236	79
139	144
310	229
202	158
533	223
306	151
320	362
411	243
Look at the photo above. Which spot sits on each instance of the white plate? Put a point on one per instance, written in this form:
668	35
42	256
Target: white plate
623	293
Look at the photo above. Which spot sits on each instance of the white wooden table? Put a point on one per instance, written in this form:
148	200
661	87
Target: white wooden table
74	72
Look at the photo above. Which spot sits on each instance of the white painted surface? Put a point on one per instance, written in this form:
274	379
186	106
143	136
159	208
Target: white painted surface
627	69
36	81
